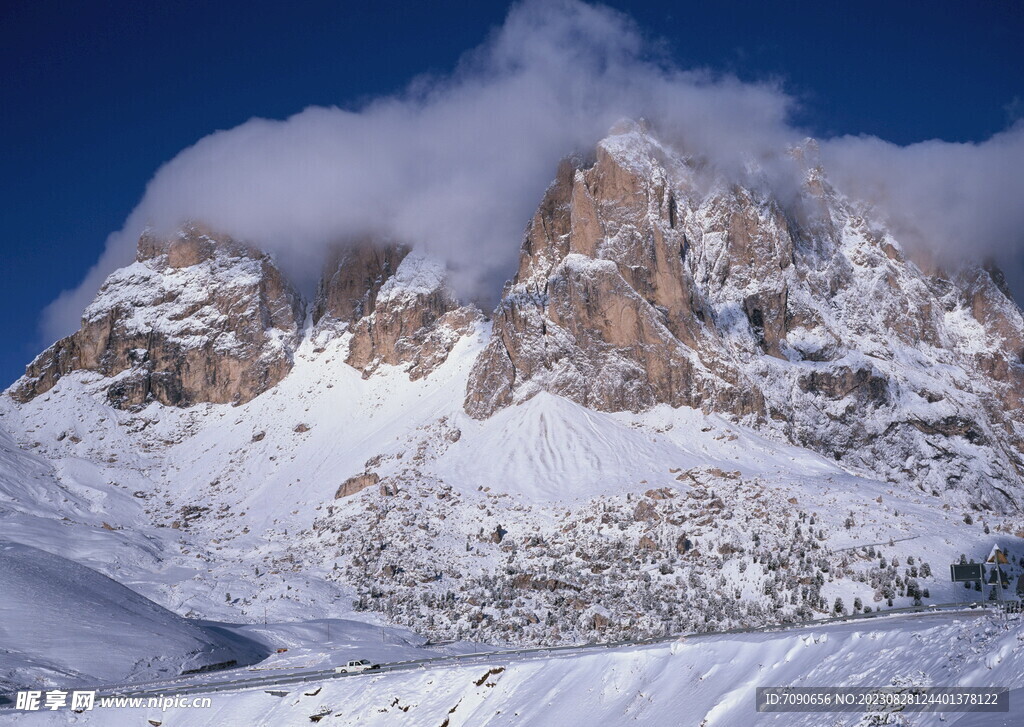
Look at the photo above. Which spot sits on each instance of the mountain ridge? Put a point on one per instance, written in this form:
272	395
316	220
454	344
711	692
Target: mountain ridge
641	281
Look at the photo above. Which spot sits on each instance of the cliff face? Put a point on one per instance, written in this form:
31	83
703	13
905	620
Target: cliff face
603	309
641	282
352	278
196	318
396	304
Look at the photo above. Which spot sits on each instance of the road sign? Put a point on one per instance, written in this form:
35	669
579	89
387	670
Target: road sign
967	572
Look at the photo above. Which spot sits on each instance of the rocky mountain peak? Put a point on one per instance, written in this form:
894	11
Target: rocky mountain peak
395	303
197	317
640	285
602	309
202	317
353	275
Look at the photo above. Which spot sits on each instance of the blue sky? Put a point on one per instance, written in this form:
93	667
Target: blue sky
97	96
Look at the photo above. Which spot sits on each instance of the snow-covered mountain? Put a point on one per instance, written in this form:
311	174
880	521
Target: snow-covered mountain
193	319
697	405
642	282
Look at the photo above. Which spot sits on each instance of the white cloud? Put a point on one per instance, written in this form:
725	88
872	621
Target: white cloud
959	199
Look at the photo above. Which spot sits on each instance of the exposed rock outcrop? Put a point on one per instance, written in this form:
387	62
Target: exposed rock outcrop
397	306
353	276
602	310
356	484
197	317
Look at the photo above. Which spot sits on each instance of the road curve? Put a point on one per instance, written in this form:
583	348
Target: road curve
177	687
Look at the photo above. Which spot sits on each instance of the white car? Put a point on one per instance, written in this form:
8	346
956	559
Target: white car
355	666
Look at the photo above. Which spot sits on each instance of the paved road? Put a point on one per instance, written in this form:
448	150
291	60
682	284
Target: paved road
190	685
891	541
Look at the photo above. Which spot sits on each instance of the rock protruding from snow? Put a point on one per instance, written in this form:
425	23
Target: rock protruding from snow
643	280
397	305
352	277
603	309
198	317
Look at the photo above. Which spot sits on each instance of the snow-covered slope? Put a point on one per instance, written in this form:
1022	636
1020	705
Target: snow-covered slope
550	448
69	507
703	681
62	624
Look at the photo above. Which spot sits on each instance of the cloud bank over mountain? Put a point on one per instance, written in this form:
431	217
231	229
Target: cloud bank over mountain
457	163
955	197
